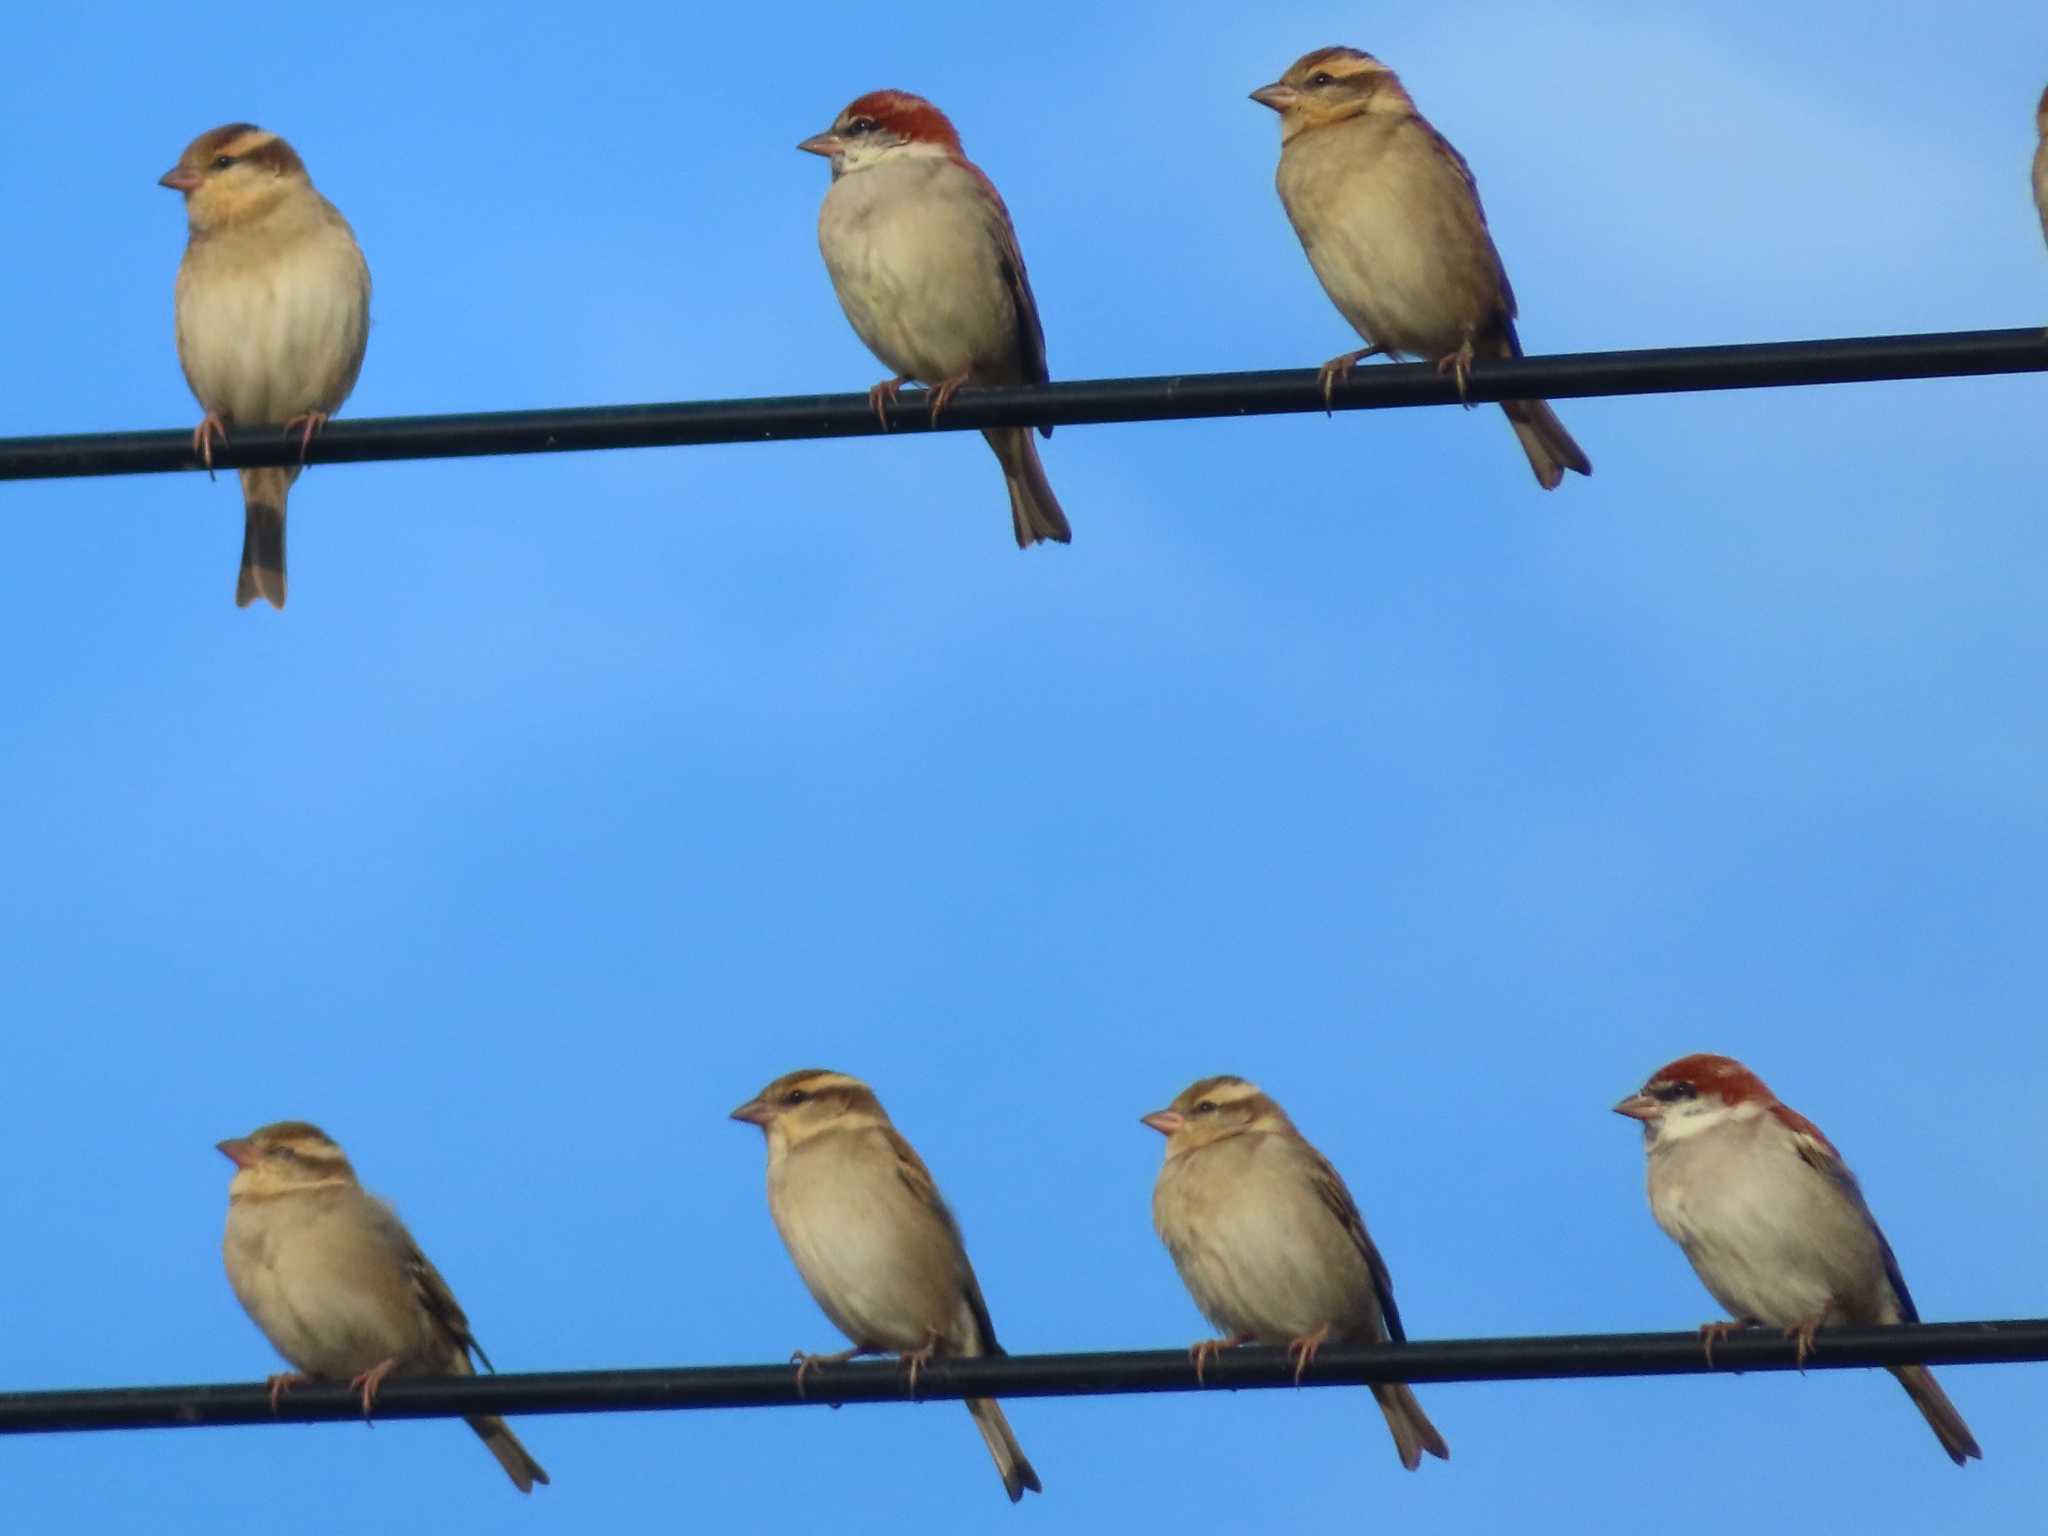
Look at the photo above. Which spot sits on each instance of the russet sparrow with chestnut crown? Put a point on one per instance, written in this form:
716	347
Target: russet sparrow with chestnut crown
926	265
1772	1219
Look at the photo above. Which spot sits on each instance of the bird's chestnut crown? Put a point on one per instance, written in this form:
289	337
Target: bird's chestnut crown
897	115
1701	1074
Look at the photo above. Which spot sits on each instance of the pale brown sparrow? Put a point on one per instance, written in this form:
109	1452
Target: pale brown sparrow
1390	218
273	311
337	1284
873	1241
2041	164
1270	1244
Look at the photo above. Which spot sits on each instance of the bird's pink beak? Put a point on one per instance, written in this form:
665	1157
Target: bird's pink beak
827	144
1639	1106
1277	96
178	179
238	1150
1164	1121
754	1112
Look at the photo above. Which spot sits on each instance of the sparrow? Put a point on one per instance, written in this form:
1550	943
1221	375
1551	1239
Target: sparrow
1270	1244
875	1244
273	313
1772	1219
2041	164
1389	216
925	262
337	1284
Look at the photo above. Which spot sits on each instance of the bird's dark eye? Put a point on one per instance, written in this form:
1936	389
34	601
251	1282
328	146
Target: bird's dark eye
859	126
1206	1107
285	1152
795	1096
1322	77
222	162
1674	1093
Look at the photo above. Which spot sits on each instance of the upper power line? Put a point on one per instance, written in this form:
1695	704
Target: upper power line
1172	397
1564	1357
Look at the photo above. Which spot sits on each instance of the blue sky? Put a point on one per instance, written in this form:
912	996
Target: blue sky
574	798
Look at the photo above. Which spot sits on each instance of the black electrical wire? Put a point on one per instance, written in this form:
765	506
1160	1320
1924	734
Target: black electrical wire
1767	365
1569	1357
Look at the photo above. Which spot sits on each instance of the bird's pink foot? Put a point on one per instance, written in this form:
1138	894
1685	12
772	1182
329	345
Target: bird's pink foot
1804	1333
210	426
1205	1350
883	395
943	392
305	426
282	1383
1303	1351
1712	1334
806	1363
1338	369
371	1380
1459	366
915	1359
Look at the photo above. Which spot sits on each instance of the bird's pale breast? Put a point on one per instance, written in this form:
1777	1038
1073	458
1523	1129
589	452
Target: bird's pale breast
1258	1249
2041	184
909	246
1394	232
1771	1237
318	1275
272	326
881	1263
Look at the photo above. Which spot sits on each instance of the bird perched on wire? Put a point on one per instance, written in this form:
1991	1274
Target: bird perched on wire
874	1243
1270	1244
273	314
2041	164
1389	216
1773	1220
337	1284
926	265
